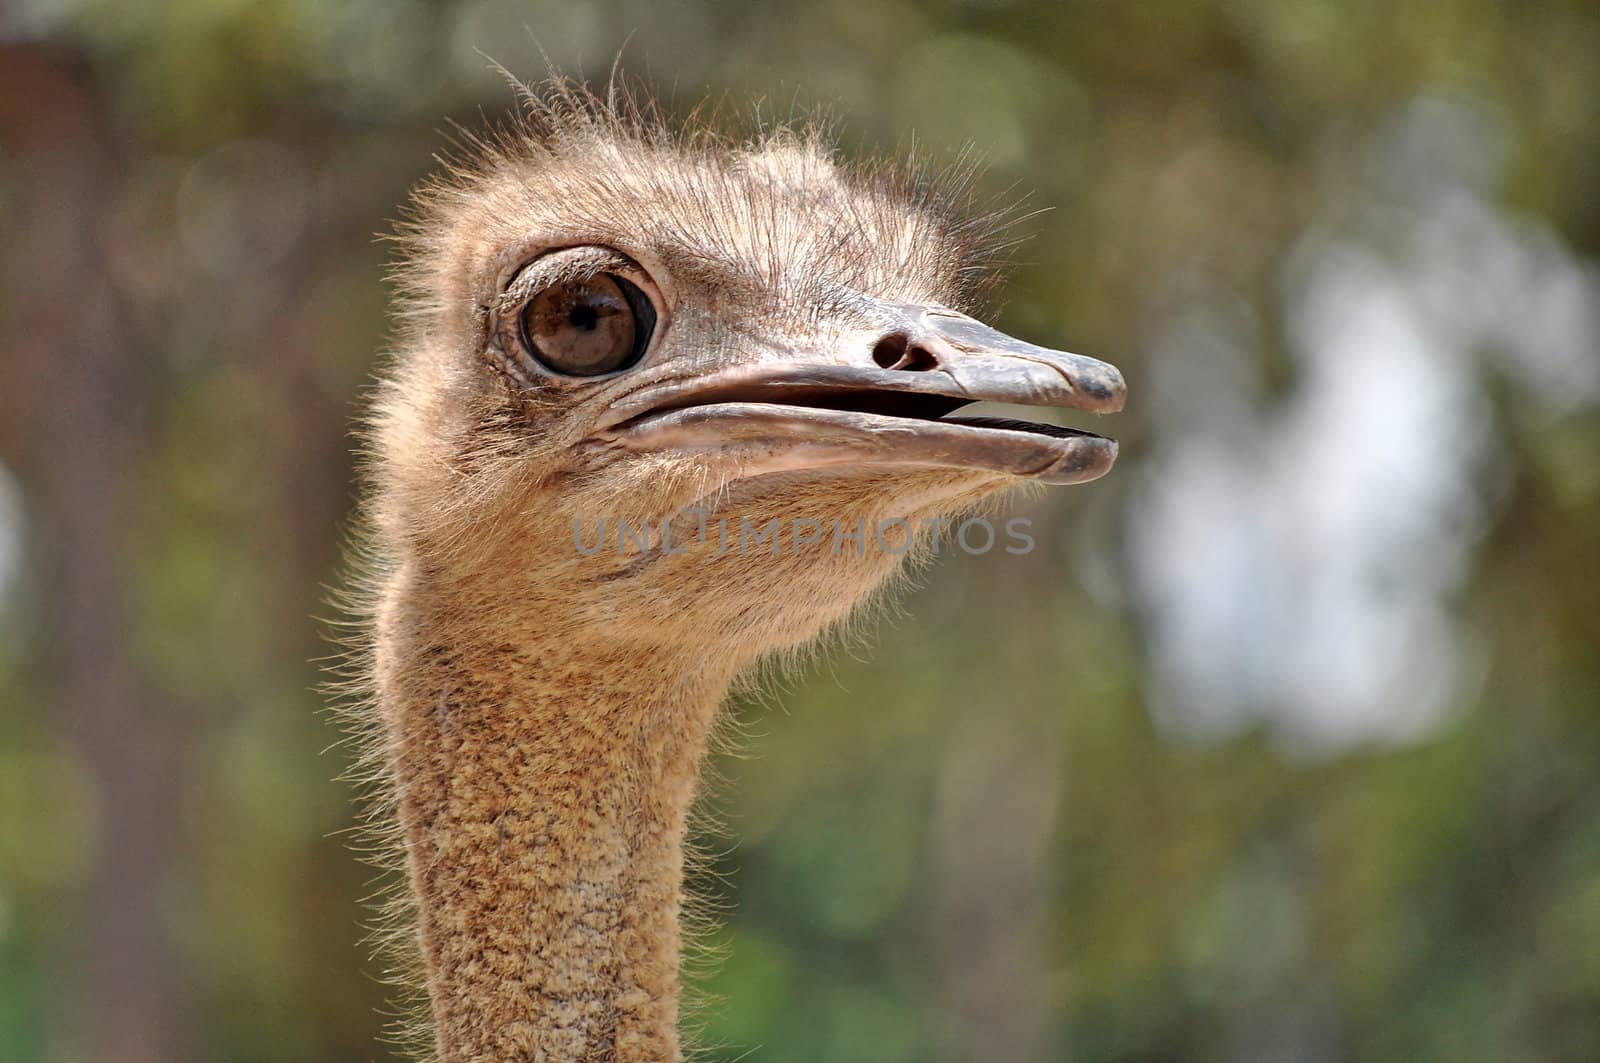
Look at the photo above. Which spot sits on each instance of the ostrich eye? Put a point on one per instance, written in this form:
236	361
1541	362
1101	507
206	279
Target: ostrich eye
589	327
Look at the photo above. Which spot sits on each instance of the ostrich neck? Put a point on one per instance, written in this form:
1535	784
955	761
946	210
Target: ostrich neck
543	794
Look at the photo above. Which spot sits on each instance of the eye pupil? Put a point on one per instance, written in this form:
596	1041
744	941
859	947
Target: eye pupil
588	327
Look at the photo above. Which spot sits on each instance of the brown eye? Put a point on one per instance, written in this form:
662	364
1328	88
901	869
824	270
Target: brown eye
589	327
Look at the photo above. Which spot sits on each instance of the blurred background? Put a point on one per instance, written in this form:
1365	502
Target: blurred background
1283	745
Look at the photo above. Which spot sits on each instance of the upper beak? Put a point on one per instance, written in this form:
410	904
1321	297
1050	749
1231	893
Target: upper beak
887	407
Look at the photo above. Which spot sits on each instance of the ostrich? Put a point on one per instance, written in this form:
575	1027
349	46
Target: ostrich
606	319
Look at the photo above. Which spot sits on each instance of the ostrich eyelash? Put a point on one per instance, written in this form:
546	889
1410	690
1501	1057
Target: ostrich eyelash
564	266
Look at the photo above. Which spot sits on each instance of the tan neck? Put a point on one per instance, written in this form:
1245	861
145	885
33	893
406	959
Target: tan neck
543	794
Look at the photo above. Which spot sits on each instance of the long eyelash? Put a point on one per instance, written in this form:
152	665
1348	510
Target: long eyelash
560	267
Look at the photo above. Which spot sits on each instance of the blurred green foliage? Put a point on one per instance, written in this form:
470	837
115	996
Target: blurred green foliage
994	832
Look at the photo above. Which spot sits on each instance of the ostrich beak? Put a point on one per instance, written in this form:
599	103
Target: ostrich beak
894	407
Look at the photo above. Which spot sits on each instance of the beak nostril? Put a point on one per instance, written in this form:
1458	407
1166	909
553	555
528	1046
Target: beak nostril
888	351
896	351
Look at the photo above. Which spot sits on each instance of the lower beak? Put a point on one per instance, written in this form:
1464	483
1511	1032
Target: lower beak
895	410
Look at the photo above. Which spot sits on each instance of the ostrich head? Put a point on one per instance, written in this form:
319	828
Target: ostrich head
630	351
663	403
